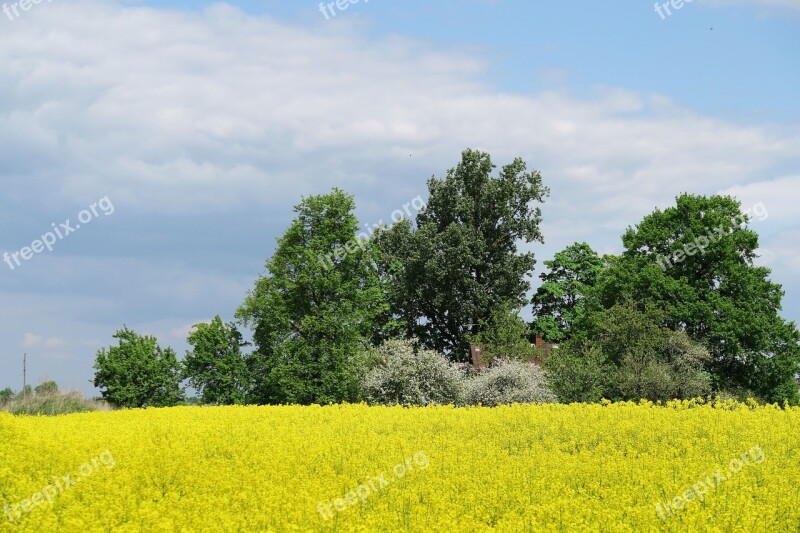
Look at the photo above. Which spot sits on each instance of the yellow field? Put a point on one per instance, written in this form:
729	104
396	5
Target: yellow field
358	468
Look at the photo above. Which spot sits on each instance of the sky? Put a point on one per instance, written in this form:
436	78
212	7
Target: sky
179	136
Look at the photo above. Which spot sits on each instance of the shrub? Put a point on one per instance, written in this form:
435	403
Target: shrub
578	374
48	387
407	375
6	395
509	382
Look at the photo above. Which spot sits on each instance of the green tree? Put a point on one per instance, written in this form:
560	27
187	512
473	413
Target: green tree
560	300
6	395
48	387
694	261
503	335
316	309
216	366
138	372
460	262
625	353
579	372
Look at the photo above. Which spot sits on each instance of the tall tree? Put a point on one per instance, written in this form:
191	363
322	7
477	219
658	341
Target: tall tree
560	300
315	309
138	372
461	261
216	366
695	262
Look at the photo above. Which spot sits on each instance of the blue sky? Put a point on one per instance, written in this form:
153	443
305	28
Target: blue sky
203	123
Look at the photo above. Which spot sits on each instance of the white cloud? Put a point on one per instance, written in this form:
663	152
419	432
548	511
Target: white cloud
197	113
29	340
779	196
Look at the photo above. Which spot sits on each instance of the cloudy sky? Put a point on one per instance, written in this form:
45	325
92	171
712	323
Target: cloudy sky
178	136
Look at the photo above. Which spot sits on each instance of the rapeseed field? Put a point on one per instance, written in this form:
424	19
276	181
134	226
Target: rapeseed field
688	466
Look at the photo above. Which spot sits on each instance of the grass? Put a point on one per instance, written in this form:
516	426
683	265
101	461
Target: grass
53	404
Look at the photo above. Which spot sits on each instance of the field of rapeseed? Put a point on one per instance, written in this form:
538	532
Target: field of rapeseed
617	467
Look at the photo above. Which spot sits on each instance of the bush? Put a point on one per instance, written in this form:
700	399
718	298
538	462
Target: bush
578	374
509	382
48	387
6	395
407	375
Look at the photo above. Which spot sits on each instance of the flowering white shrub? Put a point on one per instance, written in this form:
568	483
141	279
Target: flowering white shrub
509	382
408	375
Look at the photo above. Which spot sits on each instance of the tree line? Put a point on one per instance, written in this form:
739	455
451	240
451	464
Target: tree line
626	326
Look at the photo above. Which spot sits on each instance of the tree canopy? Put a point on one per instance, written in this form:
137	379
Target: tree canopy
559	302
461	261
138	372
315	309
216	366
695	262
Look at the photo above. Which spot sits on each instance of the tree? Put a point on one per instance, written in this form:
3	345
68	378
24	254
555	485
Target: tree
504	335
461	261
48	387
216	366
138	372
624	353
315	309
579	373
6	395
560	300
694	261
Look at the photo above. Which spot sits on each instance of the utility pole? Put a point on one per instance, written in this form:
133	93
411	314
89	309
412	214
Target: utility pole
24	373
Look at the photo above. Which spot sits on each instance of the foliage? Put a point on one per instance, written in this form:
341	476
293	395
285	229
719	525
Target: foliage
694	261
579	373
559	302
138	372
509	382
404	374
6	395
505	469
315	309
461	261
504	335
625	353
48	387
216	366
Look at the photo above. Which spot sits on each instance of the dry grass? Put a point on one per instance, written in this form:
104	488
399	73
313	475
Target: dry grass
53	404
